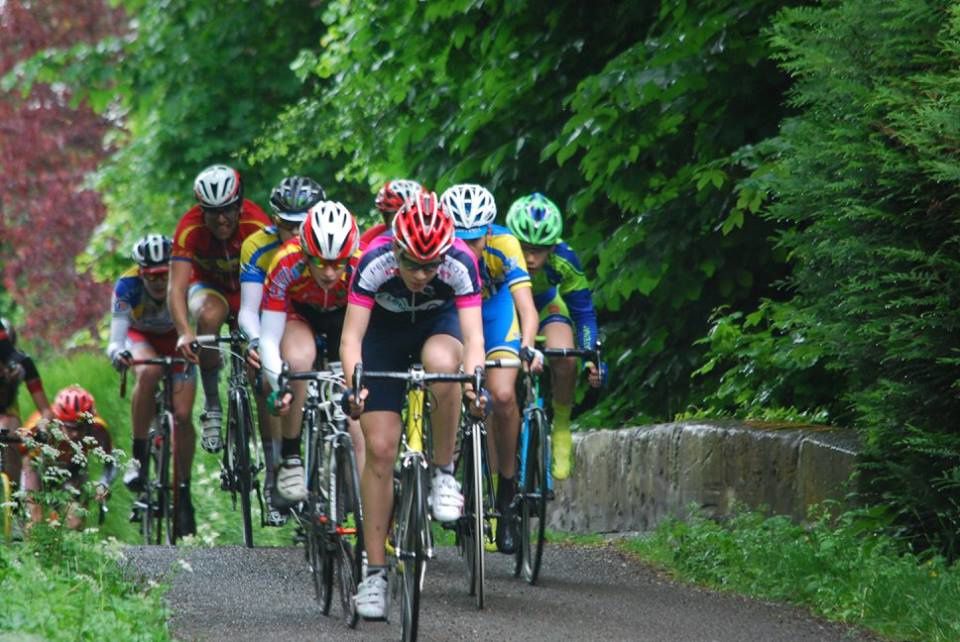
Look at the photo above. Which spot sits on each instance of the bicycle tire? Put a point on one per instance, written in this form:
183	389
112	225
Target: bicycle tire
473	514
349	539
162	512
6	513
316	524
238	443
411	550
533	505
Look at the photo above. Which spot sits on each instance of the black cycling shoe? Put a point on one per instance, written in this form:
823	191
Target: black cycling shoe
186	522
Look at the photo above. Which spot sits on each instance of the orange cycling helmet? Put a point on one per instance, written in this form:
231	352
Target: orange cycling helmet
73	404
423	229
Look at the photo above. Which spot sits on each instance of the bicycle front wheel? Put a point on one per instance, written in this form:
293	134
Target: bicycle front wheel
348	522
411	546
239	428
316	523
6	512
533	501
158	515
473	512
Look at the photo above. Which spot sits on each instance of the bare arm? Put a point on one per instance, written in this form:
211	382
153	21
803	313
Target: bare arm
177	287
351	340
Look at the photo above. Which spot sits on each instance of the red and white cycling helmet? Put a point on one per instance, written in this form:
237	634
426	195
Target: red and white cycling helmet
330	232
396	193
423	229
73	404
218	186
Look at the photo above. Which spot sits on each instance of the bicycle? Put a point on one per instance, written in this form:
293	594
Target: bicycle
332	516
238	469
9	506
157	505
534	479
479	498
412	537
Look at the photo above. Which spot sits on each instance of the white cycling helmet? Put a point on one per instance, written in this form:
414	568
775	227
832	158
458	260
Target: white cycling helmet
330	232
152	251
218	186
472	208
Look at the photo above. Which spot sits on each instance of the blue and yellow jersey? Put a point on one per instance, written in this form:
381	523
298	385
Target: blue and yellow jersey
257	253
130	299
502	263
563	276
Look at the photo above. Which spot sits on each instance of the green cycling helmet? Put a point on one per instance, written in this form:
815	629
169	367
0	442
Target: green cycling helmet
535	220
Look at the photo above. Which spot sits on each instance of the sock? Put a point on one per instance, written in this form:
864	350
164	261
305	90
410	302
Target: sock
561	418
506	489
446	469
140	453
211	391
376	570
290	447
184	488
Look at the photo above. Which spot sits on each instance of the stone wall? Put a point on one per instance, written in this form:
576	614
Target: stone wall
631	479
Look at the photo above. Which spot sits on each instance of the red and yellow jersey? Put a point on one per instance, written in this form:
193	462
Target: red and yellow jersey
214	261
289	280
96	428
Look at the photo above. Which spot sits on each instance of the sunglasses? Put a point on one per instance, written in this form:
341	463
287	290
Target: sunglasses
229	212
318	262
408	263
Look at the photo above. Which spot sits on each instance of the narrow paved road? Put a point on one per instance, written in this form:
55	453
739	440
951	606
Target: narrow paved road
235	595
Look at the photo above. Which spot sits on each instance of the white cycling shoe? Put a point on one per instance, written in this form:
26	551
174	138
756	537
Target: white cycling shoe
372	597
446	501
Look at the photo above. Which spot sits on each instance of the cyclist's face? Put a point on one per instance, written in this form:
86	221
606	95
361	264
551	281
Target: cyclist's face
286	230
222	222
326	273
536	256
416	275
155	282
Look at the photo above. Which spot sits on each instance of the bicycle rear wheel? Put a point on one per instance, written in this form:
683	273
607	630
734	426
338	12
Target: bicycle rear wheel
411	546
533	500
349	527
238	449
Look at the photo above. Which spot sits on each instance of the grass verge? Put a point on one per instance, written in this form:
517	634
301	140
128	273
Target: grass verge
842	569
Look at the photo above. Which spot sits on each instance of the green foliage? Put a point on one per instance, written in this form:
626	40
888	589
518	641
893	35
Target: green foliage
627	122
865	196
67	586
842	568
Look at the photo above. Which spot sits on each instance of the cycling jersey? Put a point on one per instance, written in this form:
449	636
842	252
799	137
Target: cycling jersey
96	428
562	276
502	263
9	387
215	262
289	281
377	285
257	253
372	233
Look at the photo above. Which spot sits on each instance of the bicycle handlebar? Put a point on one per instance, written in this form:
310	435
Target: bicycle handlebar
503	363
163	362
591	355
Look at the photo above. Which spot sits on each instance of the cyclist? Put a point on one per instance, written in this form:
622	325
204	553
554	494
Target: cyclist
205	276
565	303
290	200
83	429
305	295
15	366
415	295
392	196
506	292
141	328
